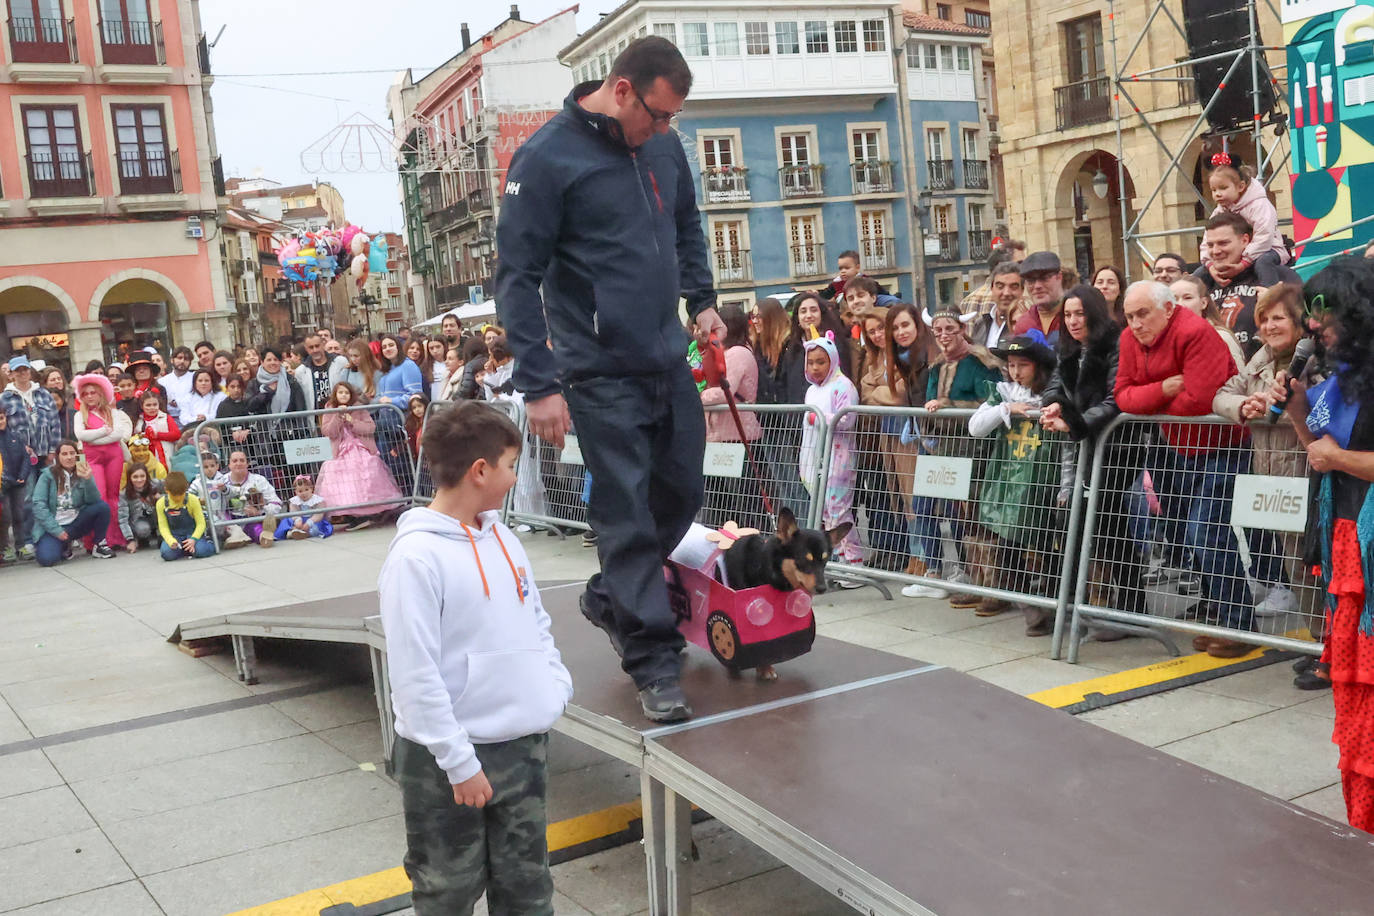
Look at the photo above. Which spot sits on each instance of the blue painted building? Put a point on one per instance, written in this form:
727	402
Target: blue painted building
810	140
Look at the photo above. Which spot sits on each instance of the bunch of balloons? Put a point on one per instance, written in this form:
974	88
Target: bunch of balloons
313	256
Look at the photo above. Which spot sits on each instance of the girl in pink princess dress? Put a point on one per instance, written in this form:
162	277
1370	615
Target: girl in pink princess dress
355	474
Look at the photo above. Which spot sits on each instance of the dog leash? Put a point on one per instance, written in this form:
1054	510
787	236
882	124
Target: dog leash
713	368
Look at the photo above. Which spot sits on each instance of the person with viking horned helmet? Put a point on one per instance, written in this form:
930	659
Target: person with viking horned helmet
955	380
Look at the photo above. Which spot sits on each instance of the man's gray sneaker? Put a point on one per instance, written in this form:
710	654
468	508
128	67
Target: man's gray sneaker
664	701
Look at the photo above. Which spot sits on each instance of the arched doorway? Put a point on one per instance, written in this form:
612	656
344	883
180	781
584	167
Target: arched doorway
1091	186
135	313
33	322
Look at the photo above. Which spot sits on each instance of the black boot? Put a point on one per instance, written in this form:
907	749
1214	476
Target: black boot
664	701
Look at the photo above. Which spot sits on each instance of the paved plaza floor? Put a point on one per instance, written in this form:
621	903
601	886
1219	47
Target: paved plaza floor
135	779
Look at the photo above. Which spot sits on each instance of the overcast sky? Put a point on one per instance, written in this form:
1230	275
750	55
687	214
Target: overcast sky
264	122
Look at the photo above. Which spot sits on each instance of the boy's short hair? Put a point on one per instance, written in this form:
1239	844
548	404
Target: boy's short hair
454	439
175	483
500	350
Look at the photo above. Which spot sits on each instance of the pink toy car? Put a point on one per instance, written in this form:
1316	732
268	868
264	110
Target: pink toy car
742	629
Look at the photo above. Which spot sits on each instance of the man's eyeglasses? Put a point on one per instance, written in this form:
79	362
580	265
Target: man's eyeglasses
658	117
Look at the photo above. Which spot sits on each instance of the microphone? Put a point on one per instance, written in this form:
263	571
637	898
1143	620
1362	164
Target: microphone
1301	354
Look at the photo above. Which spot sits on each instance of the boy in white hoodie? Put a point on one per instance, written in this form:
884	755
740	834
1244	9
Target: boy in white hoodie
476	681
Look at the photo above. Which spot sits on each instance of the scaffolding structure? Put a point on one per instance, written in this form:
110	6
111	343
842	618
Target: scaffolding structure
1268	123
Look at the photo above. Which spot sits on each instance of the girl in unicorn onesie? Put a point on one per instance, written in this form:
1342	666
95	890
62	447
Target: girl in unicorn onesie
829	392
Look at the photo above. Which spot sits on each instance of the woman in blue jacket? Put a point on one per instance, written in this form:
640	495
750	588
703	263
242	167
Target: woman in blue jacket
67	506
398	381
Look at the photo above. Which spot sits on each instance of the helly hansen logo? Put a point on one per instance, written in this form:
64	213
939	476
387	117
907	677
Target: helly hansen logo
513	188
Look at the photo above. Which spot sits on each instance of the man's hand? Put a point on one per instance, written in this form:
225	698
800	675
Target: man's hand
131	547
240	435
708	322
1173	385
549	419
475	790
1223	273
1050	412
1324	454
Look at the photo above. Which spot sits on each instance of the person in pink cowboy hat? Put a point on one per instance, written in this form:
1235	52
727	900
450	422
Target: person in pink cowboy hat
102	428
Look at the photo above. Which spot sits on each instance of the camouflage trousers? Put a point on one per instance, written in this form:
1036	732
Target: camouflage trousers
455	853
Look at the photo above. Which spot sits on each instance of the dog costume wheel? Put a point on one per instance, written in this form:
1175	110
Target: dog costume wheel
723	638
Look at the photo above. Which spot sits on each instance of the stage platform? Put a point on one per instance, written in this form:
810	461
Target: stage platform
908	788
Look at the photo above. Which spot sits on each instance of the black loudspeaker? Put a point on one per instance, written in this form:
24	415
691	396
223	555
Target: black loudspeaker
1214	27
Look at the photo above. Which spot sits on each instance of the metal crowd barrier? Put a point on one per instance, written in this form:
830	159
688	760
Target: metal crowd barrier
1191	542
423	491
734	484
938	507
279	447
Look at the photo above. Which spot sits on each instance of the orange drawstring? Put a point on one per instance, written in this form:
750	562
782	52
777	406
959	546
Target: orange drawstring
519	593
481	571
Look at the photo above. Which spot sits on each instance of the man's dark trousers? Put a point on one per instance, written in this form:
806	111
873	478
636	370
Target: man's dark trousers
643	438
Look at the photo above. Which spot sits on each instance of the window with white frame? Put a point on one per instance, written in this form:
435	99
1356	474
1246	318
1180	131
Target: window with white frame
789	41
970	142
794	149
976	217
603	65
942	217
694	40
817	36
757	38
977	20
643	30
946	57
718	152
913	55
666	30
622	45
876	248
928	52
806	244
730	250
846	36
937	143
866	144
727	39
875	35
965	59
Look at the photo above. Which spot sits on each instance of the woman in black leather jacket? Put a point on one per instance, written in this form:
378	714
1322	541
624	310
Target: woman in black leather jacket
1080	401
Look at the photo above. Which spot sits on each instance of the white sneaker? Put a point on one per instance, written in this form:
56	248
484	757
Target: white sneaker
236	537
916	590
1280	600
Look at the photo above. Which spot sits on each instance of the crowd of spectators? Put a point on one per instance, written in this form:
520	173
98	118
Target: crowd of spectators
145	452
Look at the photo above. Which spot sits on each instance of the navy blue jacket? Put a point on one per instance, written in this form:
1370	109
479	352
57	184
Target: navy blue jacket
16	466
613	236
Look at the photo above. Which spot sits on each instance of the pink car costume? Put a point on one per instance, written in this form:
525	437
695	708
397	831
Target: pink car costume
827	396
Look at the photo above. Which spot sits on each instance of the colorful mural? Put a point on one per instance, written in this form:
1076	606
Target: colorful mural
1331	104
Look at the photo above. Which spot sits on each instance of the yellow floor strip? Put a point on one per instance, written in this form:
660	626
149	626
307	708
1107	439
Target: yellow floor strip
1107	684
393	881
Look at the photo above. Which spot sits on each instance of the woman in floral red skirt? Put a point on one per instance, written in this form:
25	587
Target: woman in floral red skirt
1338	433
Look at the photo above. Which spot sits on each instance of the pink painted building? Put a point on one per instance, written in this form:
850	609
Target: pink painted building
109	181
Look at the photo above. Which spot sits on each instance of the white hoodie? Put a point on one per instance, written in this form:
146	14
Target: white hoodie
467	639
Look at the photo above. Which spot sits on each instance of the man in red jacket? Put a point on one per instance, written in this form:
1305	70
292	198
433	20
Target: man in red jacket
1172	362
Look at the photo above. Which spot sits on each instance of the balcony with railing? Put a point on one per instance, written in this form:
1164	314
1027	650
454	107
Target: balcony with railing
979	244
62	179
479	201
43	42
732	265
871	176
877	253
145	174
976	174
203	56
130	41
800	181
940	174
808	260
1084	102
726	185
949	246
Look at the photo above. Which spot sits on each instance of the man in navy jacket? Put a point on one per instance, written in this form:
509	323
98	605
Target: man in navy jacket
599	212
